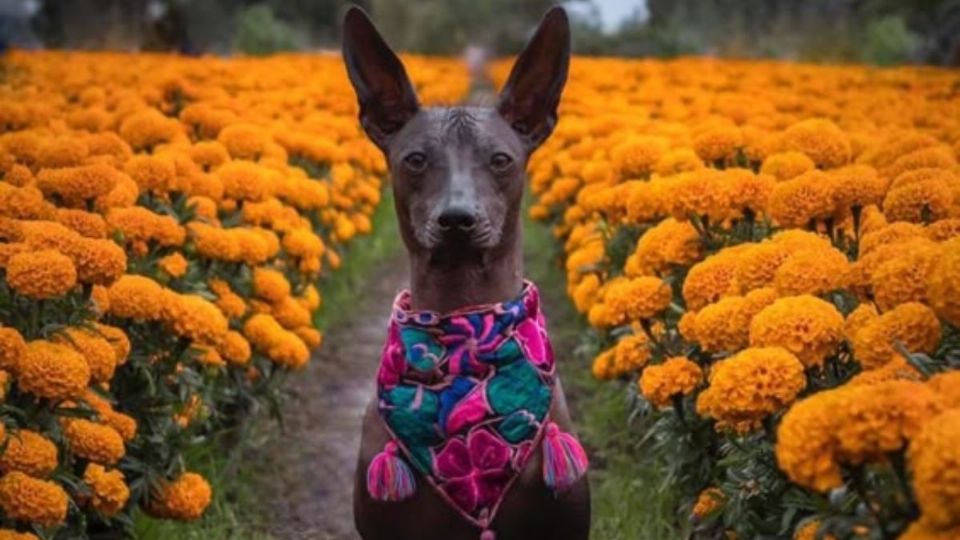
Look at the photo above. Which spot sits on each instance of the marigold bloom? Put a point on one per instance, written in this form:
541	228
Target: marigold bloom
665	245
903	278
152	173
919	202
602	367
812	272
808	531
109	491
290	314
786	165
943	283
826	144
145	129
243	141
243	180
278	344
12	349
636	299
97	351
41	274
31	500
209	155
117	339
78	184
194	317
889	234
84	223
184	498
806	326
912	324
270	284
235	348
52	371
92	441
636	156
677	376
29	452
857	186
711	280
138	224
708	502
137	297
748	387
7	534
717	142
861	316
801	200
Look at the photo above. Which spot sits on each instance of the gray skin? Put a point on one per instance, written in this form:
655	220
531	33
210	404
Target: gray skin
458	180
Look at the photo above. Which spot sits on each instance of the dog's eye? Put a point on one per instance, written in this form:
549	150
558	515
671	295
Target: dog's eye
500	162
415	162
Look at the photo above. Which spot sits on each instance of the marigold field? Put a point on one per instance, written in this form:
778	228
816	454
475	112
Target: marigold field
164	223
767	256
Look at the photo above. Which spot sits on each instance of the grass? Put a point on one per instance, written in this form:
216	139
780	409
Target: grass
630	498
235	512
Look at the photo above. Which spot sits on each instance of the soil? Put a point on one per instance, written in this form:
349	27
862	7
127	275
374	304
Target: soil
308	494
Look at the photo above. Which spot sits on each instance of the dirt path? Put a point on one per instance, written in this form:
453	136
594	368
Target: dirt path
308	494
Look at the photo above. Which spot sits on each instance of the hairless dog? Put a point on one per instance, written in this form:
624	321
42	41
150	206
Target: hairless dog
468	434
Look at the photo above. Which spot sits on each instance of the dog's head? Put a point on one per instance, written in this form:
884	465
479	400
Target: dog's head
458	172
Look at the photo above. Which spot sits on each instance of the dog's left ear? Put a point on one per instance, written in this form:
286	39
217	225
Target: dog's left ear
387	99
530	98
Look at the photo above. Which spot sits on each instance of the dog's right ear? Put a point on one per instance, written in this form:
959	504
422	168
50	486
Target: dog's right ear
387	99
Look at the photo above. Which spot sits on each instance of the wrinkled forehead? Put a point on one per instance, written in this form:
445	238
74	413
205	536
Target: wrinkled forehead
465	128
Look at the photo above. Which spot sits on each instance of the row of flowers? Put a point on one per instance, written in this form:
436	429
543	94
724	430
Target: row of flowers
769	256
164	224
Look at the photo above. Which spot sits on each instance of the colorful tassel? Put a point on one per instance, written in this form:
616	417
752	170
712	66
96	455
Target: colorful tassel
389	478
564	460
487	534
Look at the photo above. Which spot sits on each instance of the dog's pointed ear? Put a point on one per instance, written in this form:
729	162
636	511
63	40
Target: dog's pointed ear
386	96
531	95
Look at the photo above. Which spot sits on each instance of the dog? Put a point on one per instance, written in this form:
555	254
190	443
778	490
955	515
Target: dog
468	435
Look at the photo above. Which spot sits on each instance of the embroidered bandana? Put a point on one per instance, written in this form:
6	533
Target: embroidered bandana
466	398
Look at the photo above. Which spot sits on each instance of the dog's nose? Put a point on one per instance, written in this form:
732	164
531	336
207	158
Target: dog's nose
457	217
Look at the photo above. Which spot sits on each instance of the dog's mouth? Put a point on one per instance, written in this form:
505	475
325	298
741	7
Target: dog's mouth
459	247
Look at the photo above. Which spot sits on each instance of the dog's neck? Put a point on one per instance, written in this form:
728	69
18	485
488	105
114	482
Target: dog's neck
492	277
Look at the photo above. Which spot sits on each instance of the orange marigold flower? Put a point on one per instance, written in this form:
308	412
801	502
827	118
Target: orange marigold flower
912	324
665	245
861	316
703	193
922	530
750	386
711	279
29	452
717	142
138	224
270	284
243	180
636	156
602	367
148	128
903	278
174	265
809	530
801	200
99	262
52	371
757	265
310	298
857	186
636	299
310	336
137	297
92	441
943	230
677	376
630	354
7	534
806	326
787	165
194	317
708	502
96	350
84	223
41	274
812	272
243	141
716	328
852	425
12	349
209	155
109	491
920	202
889	234
825	143
235	348
31	500
183	499
78	184
943	283
117	339
152	173
290	314
278	344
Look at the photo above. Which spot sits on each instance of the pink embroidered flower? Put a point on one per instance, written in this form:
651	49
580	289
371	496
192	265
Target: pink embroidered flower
475	473
393	360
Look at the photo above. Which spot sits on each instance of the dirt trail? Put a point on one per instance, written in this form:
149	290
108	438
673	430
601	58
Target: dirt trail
308	493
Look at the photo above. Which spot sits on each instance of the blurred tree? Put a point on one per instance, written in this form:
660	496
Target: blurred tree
260	33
